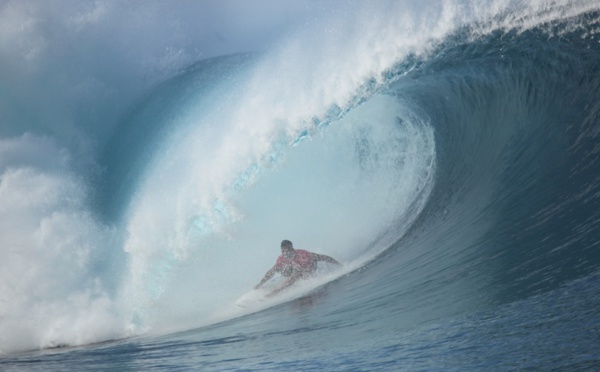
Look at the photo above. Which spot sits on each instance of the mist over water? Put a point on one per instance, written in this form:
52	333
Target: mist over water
145	184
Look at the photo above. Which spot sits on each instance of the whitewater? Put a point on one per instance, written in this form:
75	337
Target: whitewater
154	155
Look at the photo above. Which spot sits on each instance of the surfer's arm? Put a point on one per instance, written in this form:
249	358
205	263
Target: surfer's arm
291	280
321	257
267	276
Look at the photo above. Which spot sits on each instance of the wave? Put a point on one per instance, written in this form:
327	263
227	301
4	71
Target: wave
375	134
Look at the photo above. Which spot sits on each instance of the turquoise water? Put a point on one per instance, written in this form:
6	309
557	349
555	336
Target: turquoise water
445	153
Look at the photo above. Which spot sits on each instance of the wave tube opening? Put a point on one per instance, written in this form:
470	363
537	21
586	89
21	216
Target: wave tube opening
206	223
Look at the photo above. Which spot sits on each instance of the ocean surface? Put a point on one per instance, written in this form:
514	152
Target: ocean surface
154	154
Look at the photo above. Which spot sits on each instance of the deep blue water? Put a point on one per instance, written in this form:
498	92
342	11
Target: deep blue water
450	161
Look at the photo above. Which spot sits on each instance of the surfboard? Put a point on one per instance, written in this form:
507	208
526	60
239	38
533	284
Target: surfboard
256	298
252	298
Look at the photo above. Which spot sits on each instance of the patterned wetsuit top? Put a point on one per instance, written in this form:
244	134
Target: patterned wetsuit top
302	261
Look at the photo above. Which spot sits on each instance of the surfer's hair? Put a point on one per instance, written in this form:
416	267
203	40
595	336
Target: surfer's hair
287	244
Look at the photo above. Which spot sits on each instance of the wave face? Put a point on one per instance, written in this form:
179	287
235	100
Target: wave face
446	153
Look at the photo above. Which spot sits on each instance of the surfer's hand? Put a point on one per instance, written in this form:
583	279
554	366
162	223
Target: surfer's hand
271	294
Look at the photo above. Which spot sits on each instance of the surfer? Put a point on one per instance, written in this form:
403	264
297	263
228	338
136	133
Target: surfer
294	264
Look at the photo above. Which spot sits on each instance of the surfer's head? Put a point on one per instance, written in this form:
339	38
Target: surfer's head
287	248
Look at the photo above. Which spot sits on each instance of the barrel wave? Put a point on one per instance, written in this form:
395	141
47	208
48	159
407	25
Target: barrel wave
446	153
